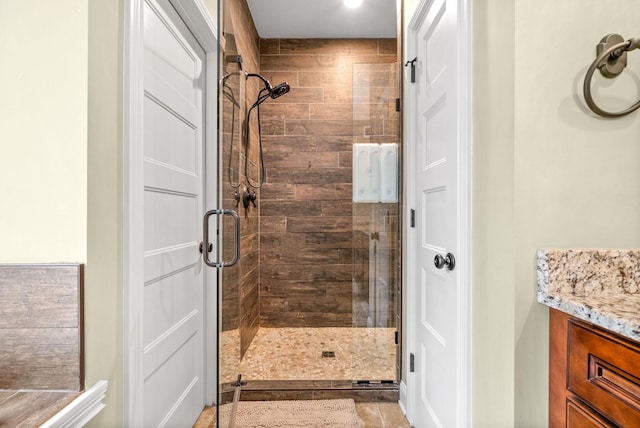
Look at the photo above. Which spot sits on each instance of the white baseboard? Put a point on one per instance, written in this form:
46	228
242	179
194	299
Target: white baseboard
403	397
81	410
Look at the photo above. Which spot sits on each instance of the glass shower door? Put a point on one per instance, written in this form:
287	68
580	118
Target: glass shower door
376	225
230	113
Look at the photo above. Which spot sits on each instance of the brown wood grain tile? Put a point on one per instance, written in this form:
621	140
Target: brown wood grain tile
337	208
282	111
330	239
341	191
338	95
250	272
308	143
26	409
276	395
302	319
295	159
249	243
374	59
392	415
326	79
328	46
272	242
369	415
307	230
359	396
290	208
309	62
387	46
286	143
329	111
27	293
312	79
342	240
319	224
207	418
40	327
280	291
249	323
336	273
273	224
345	159
270	127
6	394
384	76
307	175
374	95
332	142
332	304
306	289
238	301
270	46
321	256
300	95
277	77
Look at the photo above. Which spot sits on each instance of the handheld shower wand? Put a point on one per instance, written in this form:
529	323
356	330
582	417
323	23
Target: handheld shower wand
268	91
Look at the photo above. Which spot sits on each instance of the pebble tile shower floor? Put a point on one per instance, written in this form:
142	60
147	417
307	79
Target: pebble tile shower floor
296	354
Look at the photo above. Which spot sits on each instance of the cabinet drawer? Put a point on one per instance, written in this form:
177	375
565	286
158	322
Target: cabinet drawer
604	371
579	416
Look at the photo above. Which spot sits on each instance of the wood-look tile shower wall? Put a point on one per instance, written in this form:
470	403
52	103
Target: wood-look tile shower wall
307	224
240	299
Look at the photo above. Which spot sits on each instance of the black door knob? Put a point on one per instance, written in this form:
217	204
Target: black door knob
449	261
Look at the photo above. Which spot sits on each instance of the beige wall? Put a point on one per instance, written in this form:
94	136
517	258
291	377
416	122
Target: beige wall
492	218
212	7
43	130
576	176
103	290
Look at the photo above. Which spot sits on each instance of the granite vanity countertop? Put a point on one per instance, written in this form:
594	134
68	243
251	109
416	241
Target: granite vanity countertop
598	286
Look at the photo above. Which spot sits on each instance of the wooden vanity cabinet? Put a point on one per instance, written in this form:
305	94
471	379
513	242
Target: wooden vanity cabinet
594	375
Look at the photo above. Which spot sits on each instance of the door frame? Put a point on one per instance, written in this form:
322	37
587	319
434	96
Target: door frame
464	256
195	15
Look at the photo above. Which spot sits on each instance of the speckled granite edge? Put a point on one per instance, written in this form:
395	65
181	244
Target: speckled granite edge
598	286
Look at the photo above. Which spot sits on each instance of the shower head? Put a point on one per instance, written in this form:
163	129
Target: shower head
279	90
273	92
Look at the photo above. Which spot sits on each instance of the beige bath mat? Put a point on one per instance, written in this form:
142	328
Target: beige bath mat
293	414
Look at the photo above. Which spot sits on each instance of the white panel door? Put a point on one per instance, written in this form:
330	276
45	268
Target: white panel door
434	294
173	122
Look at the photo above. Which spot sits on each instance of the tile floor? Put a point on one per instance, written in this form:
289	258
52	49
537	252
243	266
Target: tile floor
372	415
296	354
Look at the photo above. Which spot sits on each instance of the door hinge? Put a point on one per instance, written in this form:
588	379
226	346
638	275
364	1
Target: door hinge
398	106
413	218
412	363
396	337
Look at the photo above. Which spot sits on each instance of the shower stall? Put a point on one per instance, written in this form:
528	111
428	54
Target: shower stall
311	165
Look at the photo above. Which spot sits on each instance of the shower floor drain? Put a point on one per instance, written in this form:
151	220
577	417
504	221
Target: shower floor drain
328	354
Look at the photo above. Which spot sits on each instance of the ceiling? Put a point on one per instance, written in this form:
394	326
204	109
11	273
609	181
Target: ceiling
323	19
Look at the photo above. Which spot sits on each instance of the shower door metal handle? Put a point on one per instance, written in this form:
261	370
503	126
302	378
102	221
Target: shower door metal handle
205	238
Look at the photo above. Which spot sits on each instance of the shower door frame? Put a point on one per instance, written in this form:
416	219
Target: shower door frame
195	15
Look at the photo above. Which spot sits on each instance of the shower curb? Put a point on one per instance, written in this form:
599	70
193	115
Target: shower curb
315	390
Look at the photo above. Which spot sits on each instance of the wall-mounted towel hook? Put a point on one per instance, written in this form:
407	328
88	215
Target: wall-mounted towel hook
611	59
